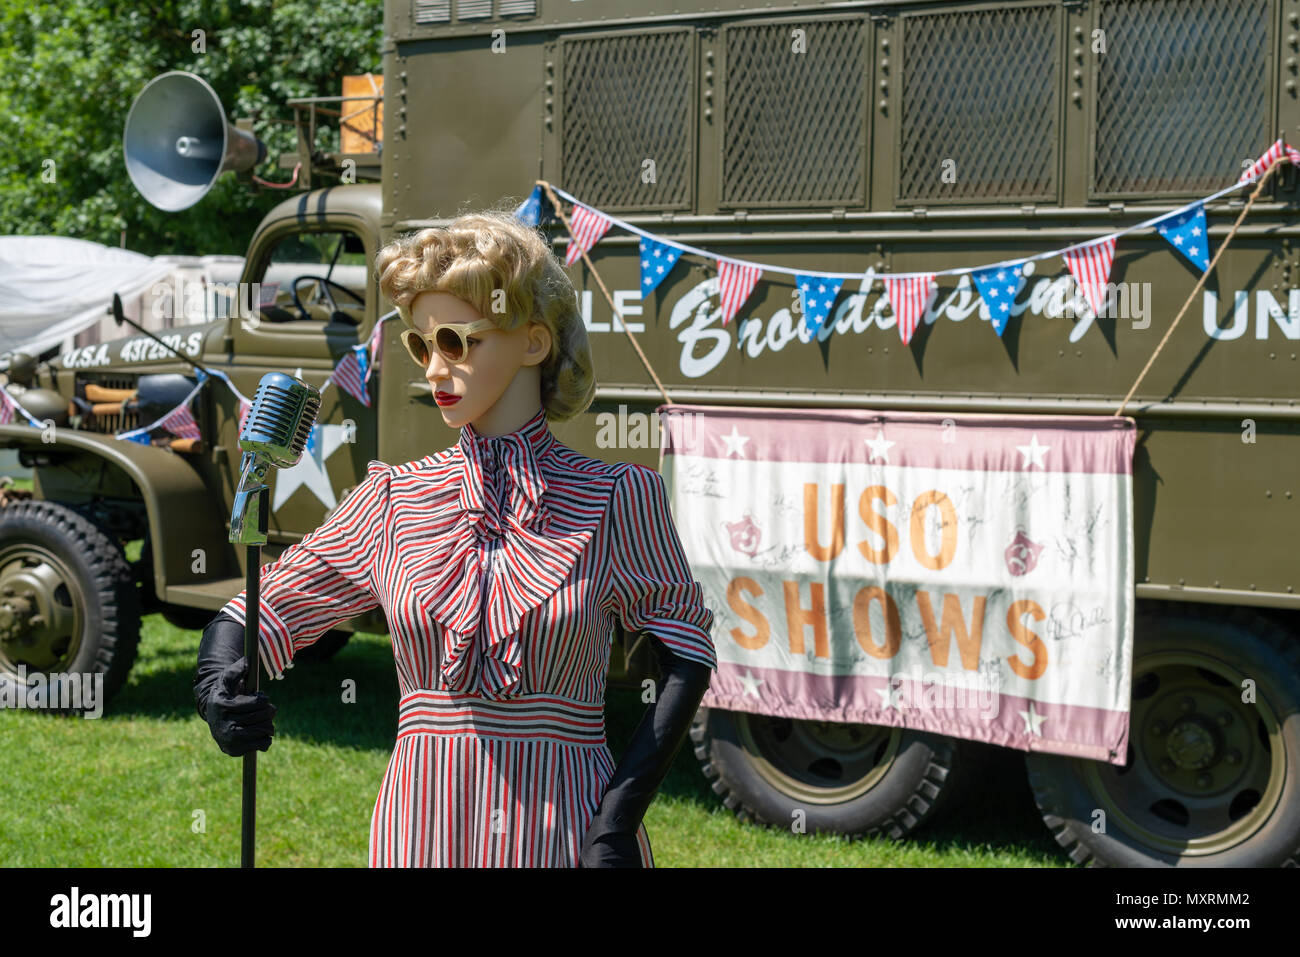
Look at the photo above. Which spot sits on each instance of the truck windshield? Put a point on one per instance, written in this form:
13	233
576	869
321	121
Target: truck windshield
329	272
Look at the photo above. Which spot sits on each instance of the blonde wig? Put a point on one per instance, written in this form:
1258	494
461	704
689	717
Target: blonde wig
490	258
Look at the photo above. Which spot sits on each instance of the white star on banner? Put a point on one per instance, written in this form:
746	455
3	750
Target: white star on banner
1033	721
879	446
889	697
1033	452
310	470
735	443
751	683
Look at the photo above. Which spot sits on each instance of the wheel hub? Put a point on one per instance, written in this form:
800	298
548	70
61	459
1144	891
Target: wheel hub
1205	769
1193	744
39	626
818	762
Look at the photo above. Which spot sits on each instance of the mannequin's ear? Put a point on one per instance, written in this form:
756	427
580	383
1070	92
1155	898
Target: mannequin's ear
539	343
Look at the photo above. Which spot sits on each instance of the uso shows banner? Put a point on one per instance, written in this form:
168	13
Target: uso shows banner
969	575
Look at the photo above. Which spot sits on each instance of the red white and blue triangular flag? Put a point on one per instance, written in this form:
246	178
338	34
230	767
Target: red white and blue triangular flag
180	422
7	407
350	373
657	260
735	282
244	408
816	296
140	437
1275	152
910	296
536	209
587	226
998	287
1186	232
1090	267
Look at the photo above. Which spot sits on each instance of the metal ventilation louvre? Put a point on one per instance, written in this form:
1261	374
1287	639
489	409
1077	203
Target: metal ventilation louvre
1173	72
431	11
979	92
516	7
473	9
628	98
795	125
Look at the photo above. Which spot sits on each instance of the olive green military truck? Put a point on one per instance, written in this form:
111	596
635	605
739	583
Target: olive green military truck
895	136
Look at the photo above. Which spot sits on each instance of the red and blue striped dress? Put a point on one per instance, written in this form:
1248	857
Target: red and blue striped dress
501	564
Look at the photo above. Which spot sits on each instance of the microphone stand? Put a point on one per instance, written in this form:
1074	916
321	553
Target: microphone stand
248	526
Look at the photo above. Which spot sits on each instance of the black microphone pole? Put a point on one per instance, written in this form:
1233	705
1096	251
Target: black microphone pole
252	616
282	415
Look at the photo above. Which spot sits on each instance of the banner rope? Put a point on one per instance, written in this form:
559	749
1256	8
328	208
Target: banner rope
555	203
1259	188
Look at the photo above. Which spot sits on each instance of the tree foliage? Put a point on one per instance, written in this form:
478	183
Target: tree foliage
70	71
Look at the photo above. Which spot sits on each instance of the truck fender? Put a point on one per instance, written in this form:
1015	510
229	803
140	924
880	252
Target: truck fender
171	489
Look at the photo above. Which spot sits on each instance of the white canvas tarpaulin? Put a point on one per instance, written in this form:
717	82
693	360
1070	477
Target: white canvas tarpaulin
52	287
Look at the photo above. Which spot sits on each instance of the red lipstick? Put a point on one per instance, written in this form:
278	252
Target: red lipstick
445	398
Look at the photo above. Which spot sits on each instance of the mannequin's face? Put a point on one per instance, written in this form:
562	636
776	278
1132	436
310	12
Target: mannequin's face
497	381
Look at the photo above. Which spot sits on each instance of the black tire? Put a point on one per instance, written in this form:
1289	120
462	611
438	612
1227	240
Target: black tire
73	580
912	775
325	647
1194	792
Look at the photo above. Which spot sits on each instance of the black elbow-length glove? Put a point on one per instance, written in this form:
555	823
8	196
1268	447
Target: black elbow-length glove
610	840
239	722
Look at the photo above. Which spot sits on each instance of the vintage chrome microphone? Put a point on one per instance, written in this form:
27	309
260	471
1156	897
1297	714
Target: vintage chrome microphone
275	432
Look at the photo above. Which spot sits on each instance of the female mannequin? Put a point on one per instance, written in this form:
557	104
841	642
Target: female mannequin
501	563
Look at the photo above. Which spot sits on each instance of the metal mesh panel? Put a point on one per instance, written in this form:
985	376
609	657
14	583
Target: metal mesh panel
1182	93
629	98
979	98
795	125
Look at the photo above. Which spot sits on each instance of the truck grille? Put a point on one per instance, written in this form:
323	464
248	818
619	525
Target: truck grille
629	98
979	92
794	126
110	424
1173	72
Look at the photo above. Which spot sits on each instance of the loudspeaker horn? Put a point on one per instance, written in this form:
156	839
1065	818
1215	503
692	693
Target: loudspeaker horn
177	141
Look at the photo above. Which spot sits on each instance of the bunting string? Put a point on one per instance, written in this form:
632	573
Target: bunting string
910	294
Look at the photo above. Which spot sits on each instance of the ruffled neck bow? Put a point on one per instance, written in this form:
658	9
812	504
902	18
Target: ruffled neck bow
502	523
501	481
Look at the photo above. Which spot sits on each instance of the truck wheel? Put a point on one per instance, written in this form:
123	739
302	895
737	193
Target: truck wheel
845	778
1210	780
68	599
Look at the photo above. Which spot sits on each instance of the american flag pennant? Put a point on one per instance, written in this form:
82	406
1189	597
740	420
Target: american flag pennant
816	296
141	437
657	260
1275	152
1187	233
244	408
998	286
180	422
1090	267
587	226
735	282
7	407
910	296
350	374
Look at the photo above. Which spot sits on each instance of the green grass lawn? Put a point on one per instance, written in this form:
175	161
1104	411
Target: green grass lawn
145	785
